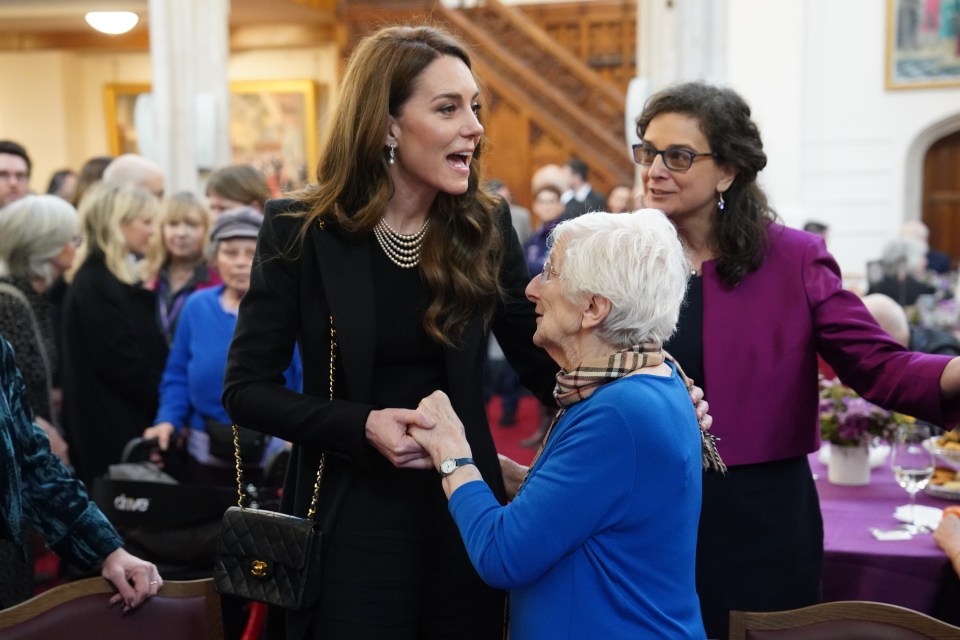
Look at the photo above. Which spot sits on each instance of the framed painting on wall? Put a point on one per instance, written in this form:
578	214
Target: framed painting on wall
120	104
923	44
273	125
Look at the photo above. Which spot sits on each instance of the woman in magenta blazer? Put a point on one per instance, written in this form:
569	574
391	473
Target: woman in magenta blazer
763	301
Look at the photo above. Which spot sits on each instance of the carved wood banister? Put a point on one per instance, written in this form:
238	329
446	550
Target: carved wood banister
553	105
535	87
531	31
612	166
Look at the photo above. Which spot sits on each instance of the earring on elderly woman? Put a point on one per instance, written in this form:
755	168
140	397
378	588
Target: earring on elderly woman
393	155
720	204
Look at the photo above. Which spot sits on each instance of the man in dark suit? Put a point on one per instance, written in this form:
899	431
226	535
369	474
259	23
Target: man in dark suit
580	197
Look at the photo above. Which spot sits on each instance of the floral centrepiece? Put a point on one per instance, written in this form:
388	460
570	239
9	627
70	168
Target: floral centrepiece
848	419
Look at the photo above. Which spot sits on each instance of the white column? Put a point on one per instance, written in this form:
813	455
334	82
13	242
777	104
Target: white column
679	40
189	49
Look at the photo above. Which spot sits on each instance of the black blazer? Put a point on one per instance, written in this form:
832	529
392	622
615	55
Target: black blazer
113	358
595	201
295	287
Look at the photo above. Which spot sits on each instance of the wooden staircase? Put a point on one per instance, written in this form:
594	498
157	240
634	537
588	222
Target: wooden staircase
544	104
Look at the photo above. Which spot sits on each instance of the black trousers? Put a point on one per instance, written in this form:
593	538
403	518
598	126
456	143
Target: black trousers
395	567
760	544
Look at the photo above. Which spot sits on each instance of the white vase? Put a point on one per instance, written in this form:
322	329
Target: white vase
849	464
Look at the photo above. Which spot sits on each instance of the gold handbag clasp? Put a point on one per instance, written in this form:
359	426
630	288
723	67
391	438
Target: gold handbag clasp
259	569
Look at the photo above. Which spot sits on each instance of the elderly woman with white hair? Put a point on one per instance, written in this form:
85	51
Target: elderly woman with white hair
38	240
600	539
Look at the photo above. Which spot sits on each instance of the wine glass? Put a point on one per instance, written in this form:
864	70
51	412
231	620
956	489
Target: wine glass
912	465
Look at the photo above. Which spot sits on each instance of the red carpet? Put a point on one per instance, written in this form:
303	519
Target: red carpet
508	439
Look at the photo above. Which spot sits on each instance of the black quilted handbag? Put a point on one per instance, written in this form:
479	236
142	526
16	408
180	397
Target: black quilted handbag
268	556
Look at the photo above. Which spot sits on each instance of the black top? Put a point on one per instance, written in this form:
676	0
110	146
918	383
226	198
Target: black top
112	362
409	363
686	345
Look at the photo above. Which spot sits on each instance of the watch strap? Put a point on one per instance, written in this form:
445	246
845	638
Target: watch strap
458	462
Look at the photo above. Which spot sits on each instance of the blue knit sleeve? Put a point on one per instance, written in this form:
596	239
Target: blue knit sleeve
174	406
588	468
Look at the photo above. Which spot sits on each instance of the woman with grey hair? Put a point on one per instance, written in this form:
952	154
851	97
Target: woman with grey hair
625	450
37	244
38	240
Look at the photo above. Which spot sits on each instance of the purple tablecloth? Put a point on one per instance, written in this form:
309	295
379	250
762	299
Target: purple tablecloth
911	573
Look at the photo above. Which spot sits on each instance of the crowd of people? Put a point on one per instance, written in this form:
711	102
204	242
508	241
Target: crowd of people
127	313
91	297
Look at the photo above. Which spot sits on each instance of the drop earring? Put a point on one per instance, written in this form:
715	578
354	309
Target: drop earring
720	204
393	154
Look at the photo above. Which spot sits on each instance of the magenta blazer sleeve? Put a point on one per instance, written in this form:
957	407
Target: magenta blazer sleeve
760	345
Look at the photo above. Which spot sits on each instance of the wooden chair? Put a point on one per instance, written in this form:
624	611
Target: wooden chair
182	609
854	620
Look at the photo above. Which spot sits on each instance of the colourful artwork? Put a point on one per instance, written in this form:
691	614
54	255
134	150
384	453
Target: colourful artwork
923	43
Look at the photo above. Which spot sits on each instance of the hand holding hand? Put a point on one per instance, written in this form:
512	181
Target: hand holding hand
445	437
135	579
386	432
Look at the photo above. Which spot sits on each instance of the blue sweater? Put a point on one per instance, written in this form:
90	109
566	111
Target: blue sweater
193	378
601	540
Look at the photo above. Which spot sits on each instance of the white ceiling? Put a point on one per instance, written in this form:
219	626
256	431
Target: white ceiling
35	16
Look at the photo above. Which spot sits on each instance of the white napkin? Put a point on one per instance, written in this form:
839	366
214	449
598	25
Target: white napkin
924	516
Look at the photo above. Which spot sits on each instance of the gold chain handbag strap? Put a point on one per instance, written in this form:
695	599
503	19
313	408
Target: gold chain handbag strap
323	457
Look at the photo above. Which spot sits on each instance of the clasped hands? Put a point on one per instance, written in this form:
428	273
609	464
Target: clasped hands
418	438
422	438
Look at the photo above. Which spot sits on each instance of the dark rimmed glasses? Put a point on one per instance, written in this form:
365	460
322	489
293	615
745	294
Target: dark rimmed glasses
674	158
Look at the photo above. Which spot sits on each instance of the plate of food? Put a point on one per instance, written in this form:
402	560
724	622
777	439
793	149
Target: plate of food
945	483
945	447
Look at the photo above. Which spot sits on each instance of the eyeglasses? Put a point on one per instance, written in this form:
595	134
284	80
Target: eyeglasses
16	176
674	158
546	272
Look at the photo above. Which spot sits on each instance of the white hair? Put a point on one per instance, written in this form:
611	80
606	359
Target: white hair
33	231
634	260
904	255
134	169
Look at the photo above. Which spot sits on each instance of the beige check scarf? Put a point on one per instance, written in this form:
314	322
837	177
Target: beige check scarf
580	383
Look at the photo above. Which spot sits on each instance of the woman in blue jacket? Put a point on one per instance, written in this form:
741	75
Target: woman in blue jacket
600	540
193	378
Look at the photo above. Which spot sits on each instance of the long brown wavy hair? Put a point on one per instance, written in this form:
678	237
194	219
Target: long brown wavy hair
463	247
740	230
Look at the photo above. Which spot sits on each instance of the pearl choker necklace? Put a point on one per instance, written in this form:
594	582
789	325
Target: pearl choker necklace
402	249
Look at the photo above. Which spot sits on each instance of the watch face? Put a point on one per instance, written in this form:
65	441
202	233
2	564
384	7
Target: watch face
448	466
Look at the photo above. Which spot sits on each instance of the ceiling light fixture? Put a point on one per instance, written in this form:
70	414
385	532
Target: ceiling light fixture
112	22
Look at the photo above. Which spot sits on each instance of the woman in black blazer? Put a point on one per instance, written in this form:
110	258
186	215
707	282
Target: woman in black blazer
113	350
414	263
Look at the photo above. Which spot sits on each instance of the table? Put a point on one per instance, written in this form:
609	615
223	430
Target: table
911	573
